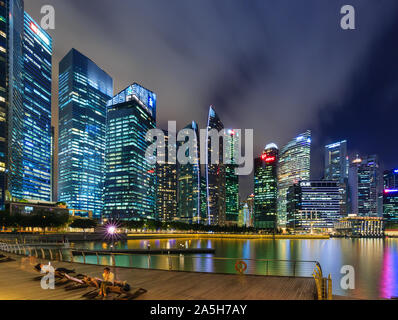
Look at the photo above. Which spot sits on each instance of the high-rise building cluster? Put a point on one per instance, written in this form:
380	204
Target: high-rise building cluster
102	165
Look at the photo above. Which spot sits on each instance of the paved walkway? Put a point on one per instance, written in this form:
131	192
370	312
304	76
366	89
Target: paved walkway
16	283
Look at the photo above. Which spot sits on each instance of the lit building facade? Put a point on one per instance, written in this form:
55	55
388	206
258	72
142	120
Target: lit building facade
390	179
84	90
315	204
231	180
37	161
294	166
25	106
215	174
390	205
336	162
11	100
189	184
166	187
390	196
365	187
266	188
130	190
361	227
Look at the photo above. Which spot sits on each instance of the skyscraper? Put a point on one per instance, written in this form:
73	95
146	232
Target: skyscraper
365	187
11	99
336	162
315	204
166	187
36	143
266	188
231	180
84	90
215	174
25	106
130	191
390	178
294	166
189	184
390	196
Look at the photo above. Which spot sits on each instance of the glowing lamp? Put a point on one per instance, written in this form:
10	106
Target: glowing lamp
111	230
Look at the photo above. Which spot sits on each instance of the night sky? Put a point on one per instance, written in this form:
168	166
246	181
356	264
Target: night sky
278	67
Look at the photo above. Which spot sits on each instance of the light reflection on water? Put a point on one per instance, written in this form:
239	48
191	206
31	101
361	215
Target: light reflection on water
375	260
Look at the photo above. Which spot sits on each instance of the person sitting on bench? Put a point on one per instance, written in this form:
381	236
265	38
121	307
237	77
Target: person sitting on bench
109	279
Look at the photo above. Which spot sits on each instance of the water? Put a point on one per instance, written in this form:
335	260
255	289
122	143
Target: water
375	260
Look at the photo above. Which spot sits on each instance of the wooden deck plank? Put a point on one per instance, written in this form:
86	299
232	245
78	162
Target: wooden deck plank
16	283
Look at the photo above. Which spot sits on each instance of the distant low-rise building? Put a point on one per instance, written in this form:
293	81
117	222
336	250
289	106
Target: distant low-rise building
32	207
355	226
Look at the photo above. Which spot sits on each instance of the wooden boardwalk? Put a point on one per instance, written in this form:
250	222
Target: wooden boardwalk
16	283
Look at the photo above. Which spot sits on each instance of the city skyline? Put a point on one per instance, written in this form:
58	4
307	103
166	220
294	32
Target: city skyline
331	117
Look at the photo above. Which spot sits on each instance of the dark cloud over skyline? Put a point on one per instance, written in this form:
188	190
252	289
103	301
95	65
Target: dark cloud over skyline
279	67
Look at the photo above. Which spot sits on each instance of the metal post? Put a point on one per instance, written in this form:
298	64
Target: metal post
330	288
170	263
294	268
113	259
71	256
98	262
42	253
84	257
51	254
60	255
267	268
131	260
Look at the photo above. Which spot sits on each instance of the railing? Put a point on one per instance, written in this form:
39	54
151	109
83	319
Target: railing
190	263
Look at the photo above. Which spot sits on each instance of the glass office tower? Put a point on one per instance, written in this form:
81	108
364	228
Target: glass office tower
166	187
130	190
336	162
390	205
294	166
315	204
84	90
266	188
189	184
11	99
365	187
391	179
36	143
215	175
232	180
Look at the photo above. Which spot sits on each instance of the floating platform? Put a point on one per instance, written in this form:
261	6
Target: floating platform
146	251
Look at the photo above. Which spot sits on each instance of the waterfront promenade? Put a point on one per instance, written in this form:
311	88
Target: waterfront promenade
16	283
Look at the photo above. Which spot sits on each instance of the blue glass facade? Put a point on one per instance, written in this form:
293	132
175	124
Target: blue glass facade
189	185
315	204
12	132
36	181
130	190
215	175
84	90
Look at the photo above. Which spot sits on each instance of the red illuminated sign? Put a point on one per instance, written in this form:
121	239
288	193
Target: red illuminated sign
267	158
34	28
